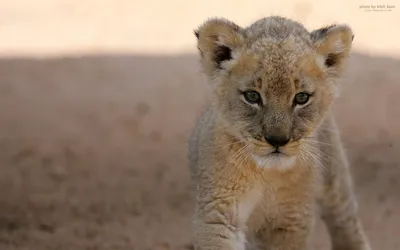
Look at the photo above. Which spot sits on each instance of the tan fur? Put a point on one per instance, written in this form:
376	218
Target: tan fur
247	198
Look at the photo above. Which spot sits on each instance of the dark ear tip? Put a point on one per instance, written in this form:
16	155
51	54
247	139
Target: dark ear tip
352	37
196	33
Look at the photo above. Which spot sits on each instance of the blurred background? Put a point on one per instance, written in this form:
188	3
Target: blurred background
97	99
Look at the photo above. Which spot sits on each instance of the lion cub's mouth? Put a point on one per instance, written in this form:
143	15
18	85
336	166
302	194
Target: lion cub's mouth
274	160
265	150
265	156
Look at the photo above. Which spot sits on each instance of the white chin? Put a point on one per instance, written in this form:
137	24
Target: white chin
274	161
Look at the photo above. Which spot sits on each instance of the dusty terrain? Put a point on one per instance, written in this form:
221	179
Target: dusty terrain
93	143
91	159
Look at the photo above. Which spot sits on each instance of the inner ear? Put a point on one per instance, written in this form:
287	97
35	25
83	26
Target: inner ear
331	60
334	44
222	53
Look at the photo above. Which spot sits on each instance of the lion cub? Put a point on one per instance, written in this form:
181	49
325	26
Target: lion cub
266	148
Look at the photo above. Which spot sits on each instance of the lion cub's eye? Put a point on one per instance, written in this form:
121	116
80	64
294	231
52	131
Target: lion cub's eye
301	98
252	97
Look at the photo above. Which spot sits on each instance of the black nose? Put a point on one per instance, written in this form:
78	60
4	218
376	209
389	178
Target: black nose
277	140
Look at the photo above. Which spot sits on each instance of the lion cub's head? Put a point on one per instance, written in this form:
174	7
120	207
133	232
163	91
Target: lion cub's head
273	81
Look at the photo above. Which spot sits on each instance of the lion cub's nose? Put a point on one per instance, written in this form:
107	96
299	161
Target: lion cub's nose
277	140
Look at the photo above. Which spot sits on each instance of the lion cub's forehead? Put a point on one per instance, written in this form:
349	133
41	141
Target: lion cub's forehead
277	28
279	44
278	63
277	52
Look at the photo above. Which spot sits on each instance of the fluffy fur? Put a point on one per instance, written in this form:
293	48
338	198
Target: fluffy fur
247	195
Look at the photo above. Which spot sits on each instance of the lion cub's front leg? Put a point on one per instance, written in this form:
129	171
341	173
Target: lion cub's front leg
223	207
215	228
284	239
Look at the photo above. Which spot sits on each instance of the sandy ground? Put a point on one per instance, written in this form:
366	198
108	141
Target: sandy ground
93	145
91	159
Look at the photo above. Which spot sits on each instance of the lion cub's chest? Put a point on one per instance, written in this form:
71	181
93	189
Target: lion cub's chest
273	195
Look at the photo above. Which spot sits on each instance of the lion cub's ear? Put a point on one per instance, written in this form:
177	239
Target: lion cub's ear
333	43
217	39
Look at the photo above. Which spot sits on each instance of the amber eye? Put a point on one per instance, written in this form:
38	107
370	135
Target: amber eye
252	97
301	98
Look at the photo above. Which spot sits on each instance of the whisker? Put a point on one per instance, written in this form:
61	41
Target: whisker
319	142
222	145
310	154
235	159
